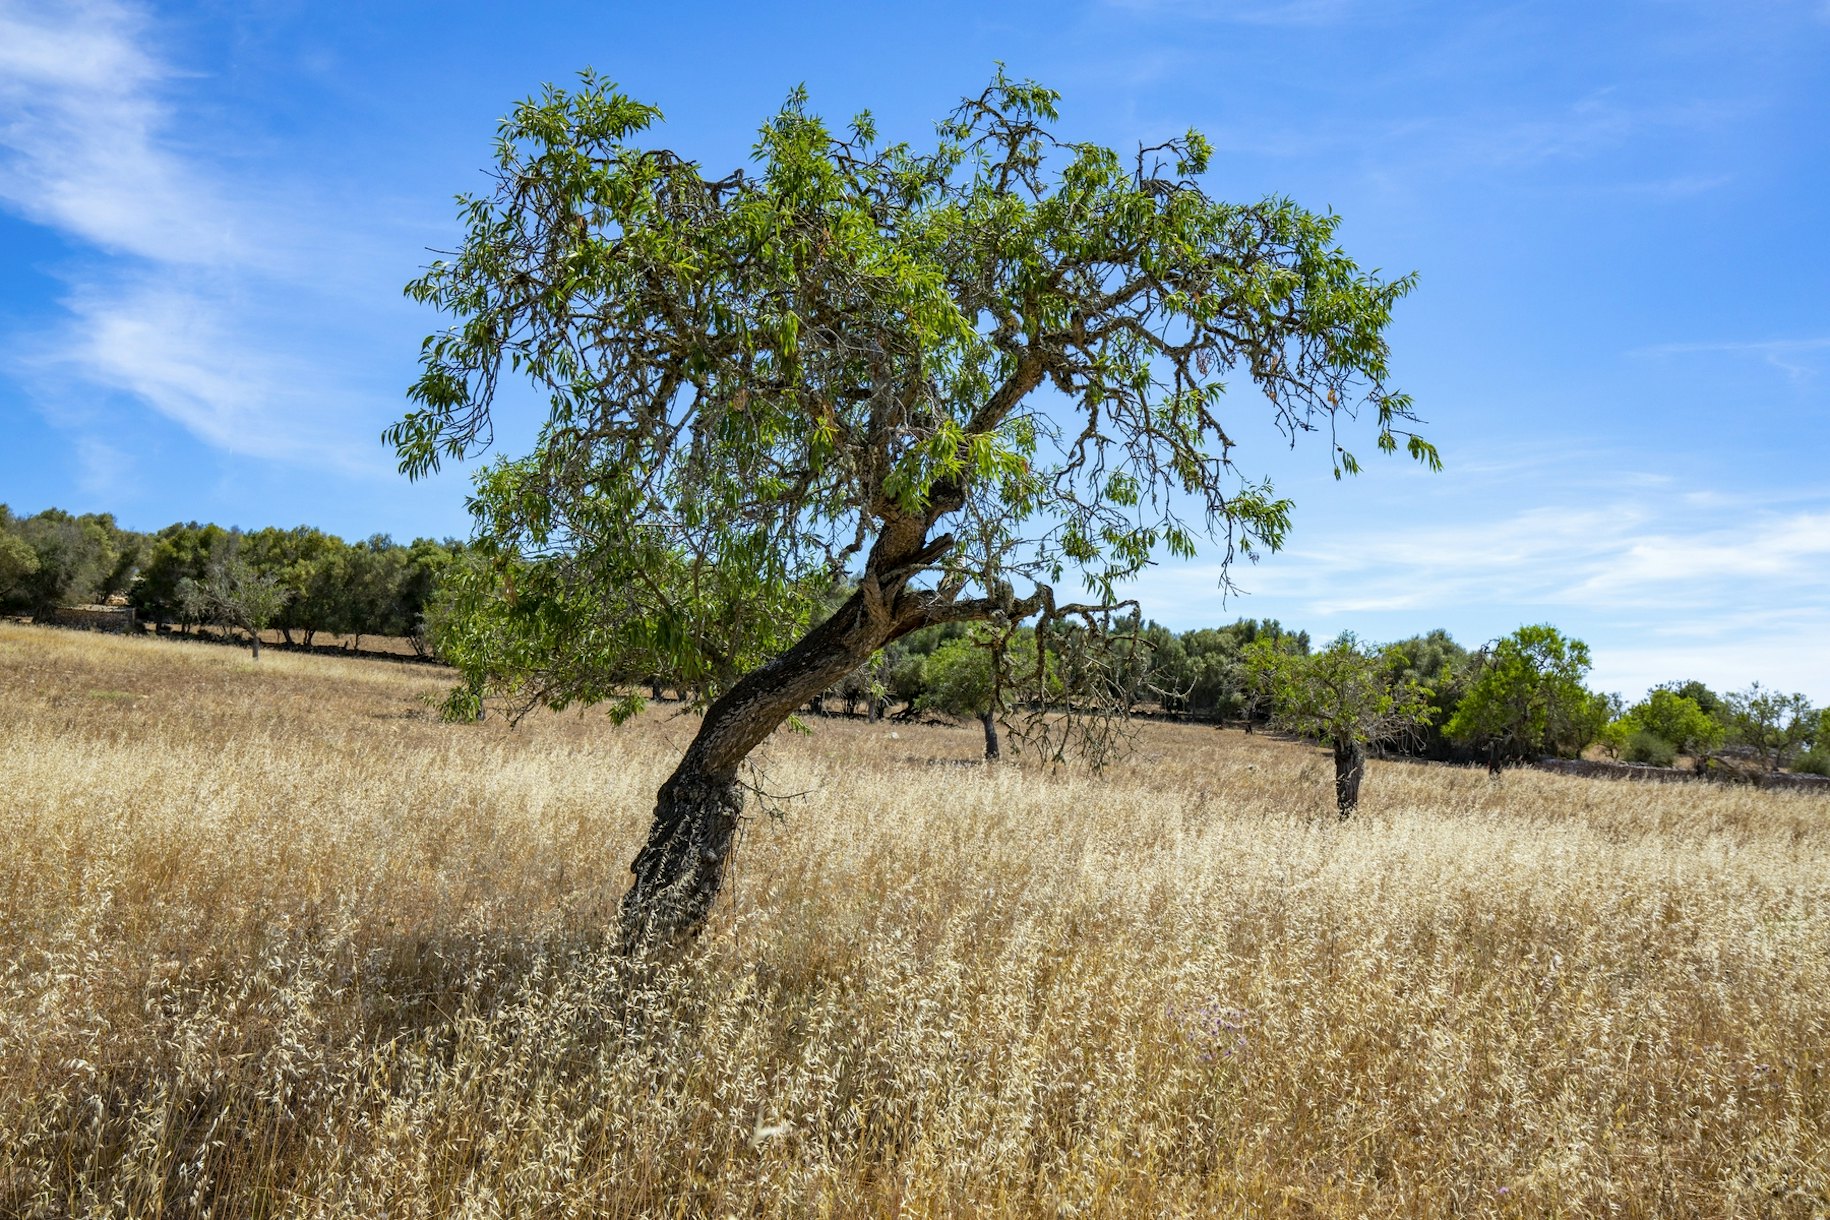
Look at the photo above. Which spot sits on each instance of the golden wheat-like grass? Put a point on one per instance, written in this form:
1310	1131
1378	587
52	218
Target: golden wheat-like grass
274	942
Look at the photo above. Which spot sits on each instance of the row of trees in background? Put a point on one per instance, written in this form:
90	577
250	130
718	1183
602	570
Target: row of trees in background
1517	697
301	582
54	559
1520	697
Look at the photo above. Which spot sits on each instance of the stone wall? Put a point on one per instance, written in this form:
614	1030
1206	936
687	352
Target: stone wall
116	619
1617	770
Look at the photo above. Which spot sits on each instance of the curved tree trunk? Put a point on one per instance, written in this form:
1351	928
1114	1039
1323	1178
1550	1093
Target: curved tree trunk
989	719
1349	769
680	868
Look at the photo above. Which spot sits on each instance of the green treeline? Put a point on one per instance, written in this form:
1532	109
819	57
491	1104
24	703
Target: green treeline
1523	696
300	582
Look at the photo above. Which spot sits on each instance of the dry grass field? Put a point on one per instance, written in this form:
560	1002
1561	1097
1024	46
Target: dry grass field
274	942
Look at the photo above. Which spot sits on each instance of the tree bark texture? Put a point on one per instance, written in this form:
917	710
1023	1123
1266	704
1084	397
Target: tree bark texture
1349	769
990	721
680	868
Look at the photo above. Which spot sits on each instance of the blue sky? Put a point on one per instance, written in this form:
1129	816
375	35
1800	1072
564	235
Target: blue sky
1618	211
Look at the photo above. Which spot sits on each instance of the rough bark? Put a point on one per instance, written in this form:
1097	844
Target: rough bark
680	868
1349	770
990	721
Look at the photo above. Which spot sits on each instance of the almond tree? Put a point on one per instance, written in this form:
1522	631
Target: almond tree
953	377
232	593
1776	725
1347	695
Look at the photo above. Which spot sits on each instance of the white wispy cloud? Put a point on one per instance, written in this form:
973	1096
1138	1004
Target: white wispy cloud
1798	359
84	137
180	308
1625	556
176	349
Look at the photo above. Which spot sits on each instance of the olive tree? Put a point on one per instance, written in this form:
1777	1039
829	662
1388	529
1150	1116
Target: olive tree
954	376
986	673
1347	695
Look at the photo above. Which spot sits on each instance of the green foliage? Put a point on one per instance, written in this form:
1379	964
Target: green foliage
305	563
18	561
1778	726
175	554
1436	662
755	382
55	559
1677	720
1526	697
232	592
1203	673
983	671
1645	746
1713	705
375	587
1613	737
961	679
1345	693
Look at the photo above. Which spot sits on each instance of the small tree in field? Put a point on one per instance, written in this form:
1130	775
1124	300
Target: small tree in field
950	376
230	592
1527	697
1673	719
1777	725
982	675
1347	695
962	680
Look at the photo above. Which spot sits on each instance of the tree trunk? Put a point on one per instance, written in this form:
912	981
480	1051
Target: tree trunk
1493	760
1349	769
989	719
680	868
254	643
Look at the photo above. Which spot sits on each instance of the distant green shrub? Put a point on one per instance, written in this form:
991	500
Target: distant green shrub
1645	746
1816	762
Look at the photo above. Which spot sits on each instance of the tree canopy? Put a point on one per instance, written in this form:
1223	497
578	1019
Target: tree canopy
1527	697
756	380
1347	694
954	376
